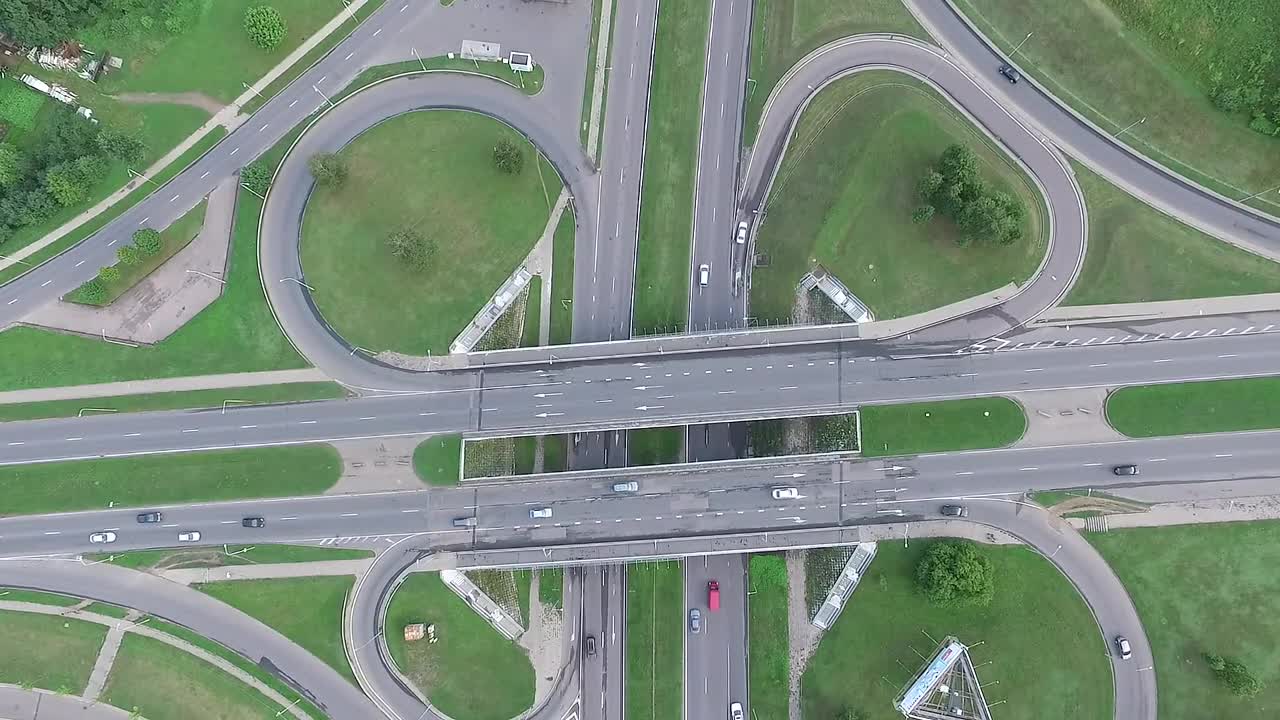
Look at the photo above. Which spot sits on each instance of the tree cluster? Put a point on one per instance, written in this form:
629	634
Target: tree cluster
954	573
59	169
265	26
1234	675
146	243
49	22
508	157
1250	89
412	249
954	188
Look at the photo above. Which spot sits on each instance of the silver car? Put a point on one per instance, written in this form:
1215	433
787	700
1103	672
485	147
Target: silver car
540	513
695	621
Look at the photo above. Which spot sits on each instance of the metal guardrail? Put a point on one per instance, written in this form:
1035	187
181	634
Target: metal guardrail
844	586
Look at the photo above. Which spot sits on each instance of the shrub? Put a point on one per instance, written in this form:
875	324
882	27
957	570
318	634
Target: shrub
256	176
147	241
1234	675
412	249
328	168
835	433
922	214
109	274
265	26
128	254
10	165
92	292
954	573
508	157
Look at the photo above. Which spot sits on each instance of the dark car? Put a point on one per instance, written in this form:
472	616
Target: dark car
254	522
591	644
1125	470
1011	74
150	517
959	511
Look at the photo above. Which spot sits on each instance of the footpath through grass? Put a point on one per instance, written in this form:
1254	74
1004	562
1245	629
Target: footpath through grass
868	655
47	651
1198	589
482	221
655	641
1138	254
208	557
166	479
768	638
307	610
1169	50
162	682
784	31
670	164
472	671
846	190
1196	407
944	426
181	400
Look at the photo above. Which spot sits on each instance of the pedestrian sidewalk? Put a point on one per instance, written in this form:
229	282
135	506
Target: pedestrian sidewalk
189	576
229	117
107	658
179	384
1164	309
1264	507
18	703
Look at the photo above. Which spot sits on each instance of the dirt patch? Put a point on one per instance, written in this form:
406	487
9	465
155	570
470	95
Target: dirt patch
1097	504
191	99
543	642
804	636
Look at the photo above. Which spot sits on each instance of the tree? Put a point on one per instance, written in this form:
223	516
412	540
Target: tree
922	214
265	26
69	182
328	168
147	241
93	292
109	274
412	249
1234	675
955	189
508	157
121	145
10	165
954	573
128	254
46	22
256	176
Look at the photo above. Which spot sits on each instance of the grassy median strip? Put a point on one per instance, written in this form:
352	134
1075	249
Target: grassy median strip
179	400
174	478
670	162
48	651
943	426
654	446
562	280
768	638
225	555
655	641
161	682
38	597
1204	589
1196	407
438	460
551	587
307	610
1138	254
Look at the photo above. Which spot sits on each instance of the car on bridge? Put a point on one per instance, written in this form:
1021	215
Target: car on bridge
786	493
626	487
541	513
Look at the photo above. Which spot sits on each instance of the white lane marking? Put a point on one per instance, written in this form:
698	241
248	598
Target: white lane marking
79	263
1228	355
132	434
295	102
370	417
53	532
1098	365
1028	469
789	387
1222	455
72	439
1092	464
965	472
13	301
349	514
426	414
233	152
191	430
306	422
175	197
1157	459
248	427
348	57
113	242
45	283
228	522
13	444
1165	360
412	510
290	517
375	32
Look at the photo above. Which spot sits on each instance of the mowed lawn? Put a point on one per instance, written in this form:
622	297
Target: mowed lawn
162	682
943	426
784	31
654	446
1196	407
307	610
1138	254
178	400
1168	50
1043	646
845	192
1198	589
166	479
224	555
655	641
431	171
437	460
47	651
768	637
670	164
472	671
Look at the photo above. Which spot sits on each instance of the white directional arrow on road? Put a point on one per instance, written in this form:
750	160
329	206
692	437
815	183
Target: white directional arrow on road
650	407
546	395
795	519
892	490
547	414
792	475
646	387
888	512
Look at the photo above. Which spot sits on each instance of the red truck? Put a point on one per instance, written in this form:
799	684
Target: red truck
713	595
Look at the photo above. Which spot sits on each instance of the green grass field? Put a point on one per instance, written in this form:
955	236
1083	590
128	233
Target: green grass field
768	638
1204	588
1168	49
172	558
529	336
473	671
47	651
307	610
868	654
670	161
562	280
483	221
164	479
35	596
654	446
655	641
1196	407
943	426
181	400
784	31
551	587
436	460
161	682
107	609
1138	254
845	192
173	239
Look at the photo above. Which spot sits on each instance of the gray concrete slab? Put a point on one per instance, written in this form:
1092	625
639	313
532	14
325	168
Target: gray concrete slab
1065	417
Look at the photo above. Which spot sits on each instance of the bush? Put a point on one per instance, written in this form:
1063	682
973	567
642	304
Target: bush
328	168
265	26
109	274
954	573
128	254
147	241
256	176
508	157
412	249
92	292
1234	675
922	214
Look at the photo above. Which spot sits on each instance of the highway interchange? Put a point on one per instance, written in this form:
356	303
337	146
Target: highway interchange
628	392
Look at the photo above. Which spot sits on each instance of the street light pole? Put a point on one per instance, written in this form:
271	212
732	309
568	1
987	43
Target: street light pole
326	97
1024	41
414	50
249	87
140	176
1130	126
1264	192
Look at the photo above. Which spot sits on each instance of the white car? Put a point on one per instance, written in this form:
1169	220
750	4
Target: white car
741	236
540	513
786	494
704	274
99	538
189	536
735	711
630	486
1122	644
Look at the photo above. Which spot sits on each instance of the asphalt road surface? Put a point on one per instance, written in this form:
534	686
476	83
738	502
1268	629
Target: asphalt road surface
716	658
